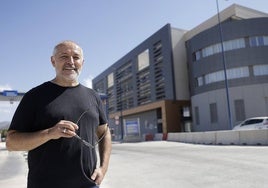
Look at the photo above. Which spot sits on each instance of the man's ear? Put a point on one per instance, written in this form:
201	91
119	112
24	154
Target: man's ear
52	59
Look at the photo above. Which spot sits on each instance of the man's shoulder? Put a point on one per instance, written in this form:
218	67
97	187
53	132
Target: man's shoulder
39	87
87	89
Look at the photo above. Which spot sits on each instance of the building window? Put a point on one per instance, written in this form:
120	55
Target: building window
197	55
239	72
227	45
196	111
239	110
234	44
186	111
200	81
210	50
260	70
233	73
99	86
258	41
143	60
110	80
213	113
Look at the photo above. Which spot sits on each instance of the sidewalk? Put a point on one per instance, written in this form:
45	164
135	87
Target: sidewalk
13	168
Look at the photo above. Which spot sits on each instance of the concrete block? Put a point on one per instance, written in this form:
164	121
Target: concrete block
227	137
173	137
253	137
208	137
158	136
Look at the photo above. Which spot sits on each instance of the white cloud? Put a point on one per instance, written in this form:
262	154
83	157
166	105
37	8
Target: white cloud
88	82
5	87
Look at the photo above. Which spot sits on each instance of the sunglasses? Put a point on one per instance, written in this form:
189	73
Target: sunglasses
86	143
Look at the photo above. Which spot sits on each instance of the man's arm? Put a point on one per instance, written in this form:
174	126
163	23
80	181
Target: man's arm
25	141
105	148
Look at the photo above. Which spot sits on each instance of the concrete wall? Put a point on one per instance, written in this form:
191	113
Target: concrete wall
255	98
245	137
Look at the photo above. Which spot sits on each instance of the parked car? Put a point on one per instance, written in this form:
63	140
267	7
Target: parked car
253	123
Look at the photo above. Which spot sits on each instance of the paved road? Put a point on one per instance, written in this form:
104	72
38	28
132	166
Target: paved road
177	165
167	165
13	168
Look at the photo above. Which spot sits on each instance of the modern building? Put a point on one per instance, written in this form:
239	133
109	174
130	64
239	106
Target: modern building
143	98
175	80
243	34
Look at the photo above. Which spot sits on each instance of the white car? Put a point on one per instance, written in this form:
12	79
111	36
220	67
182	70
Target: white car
254	123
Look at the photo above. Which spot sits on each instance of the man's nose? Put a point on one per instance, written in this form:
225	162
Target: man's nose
70	60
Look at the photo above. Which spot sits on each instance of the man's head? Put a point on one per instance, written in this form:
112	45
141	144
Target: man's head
67	60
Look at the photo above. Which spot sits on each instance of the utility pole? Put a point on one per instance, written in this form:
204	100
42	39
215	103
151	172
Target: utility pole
224	68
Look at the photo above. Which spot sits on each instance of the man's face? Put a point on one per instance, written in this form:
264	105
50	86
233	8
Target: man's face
68	61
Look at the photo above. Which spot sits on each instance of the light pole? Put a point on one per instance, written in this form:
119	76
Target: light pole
121	113
119	78
224	68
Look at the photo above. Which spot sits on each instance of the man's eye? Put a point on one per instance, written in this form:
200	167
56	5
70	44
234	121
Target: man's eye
64	57
76	58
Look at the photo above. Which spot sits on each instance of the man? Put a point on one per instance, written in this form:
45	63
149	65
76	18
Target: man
59	122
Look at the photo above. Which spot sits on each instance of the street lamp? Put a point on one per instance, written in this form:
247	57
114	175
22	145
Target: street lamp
224	68
119	82
121	112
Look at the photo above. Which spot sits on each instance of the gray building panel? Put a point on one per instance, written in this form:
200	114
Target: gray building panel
247	56
157	70
239	88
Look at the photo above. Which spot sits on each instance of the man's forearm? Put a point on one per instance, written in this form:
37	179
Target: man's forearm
105	148
20	141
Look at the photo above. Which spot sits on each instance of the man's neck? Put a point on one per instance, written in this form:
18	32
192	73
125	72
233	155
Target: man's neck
68	83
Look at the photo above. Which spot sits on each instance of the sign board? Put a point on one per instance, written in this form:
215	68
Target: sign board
10	93
132	127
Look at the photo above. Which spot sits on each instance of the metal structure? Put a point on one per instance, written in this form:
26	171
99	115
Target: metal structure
11	96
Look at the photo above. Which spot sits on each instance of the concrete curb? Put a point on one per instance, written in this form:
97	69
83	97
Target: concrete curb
242	137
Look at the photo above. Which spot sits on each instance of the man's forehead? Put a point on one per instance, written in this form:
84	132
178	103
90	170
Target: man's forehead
68	47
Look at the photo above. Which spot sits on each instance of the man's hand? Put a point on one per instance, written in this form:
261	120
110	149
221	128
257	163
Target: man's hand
63	128
97	176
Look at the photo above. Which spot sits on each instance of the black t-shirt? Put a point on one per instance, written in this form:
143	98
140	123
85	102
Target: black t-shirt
64	162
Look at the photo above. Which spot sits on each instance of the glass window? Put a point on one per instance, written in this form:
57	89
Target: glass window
143	60
197	120
265	40
252	41
258	41
197	55
213	113
186	111
207	51
234	44
259	70
239	72
214	77
233	73
200	81
239	109
217	48
228	45
110	80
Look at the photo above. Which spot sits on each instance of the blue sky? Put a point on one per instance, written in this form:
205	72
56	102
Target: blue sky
106	30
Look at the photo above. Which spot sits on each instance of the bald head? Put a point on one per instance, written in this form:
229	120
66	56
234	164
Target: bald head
67	43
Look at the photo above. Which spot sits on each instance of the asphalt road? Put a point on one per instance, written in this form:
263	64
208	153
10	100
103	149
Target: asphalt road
178	165
166	165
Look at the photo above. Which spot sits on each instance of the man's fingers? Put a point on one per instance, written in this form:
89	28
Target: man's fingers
94	175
